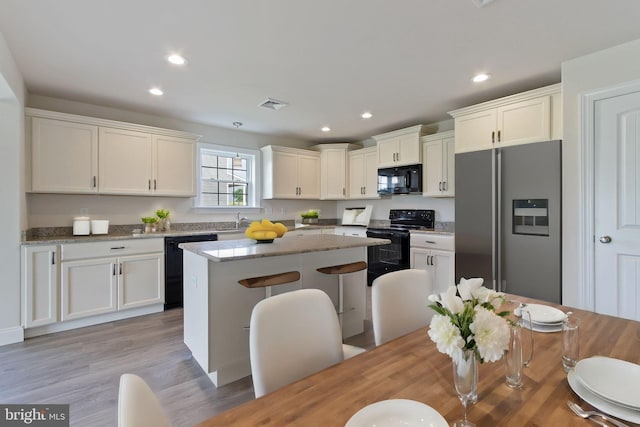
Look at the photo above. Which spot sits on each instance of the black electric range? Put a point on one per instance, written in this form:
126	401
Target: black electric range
395	256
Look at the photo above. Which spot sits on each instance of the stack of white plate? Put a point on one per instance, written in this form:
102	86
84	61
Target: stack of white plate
611	385
543	318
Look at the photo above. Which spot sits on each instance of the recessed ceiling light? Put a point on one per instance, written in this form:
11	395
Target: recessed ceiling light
325	129
156	91
366	115
176	59
480	77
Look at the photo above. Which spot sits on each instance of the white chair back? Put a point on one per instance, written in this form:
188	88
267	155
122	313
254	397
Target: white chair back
400	303
138	405
292	335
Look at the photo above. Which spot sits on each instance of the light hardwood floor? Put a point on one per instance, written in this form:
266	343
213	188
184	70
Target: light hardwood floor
82	368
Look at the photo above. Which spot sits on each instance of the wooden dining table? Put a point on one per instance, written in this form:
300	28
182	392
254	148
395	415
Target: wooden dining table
410	367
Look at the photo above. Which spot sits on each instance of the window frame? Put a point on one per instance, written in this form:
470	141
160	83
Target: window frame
253	172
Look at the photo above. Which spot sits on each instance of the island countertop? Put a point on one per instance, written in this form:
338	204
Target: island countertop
233	250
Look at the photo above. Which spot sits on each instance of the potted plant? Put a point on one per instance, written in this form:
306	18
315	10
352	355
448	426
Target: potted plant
149	223
310	216
163	224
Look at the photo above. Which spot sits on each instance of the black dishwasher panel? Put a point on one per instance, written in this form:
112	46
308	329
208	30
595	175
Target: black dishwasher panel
173	282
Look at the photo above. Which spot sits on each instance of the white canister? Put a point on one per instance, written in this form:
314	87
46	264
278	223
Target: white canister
99	226
81	226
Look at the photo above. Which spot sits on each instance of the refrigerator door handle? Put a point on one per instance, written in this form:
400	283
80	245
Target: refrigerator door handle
499	223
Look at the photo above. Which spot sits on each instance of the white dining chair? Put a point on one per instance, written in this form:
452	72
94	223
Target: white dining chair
138	405
293	335
399	303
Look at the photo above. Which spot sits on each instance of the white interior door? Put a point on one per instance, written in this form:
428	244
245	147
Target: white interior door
617	206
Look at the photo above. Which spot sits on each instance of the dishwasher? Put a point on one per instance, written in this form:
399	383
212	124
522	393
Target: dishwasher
173	293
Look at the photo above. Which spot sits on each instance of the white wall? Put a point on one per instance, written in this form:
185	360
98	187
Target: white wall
12	95
580	76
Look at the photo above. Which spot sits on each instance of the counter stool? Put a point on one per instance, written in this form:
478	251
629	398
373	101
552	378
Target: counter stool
341	269
270	280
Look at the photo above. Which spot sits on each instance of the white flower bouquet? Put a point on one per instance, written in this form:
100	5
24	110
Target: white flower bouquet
467	319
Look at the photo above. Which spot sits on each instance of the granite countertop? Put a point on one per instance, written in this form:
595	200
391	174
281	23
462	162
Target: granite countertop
233	250
122	235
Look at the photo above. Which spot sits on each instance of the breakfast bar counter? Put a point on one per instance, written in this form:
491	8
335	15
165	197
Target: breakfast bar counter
218	300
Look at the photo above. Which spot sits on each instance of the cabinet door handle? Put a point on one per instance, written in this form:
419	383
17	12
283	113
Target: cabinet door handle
493	137
149	184
120	264
344	191
117	247
114	269
364	190
154	185
440	186
445	186
498	136
94	182
53	258
430	242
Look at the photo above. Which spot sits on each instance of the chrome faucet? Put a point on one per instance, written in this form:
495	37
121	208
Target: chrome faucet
241	221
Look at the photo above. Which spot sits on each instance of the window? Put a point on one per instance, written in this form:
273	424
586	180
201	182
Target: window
226	177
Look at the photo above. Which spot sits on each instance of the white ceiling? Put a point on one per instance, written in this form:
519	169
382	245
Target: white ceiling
406	61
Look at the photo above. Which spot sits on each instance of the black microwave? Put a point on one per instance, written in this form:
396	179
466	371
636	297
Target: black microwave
400	180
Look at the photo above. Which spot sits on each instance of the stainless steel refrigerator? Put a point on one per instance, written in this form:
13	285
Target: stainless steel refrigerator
508	218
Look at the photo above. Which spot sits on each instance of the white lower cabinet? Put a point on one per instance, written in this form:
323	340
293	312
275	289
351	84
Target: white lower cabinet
103	277
140	280
436	255
88	288
39	285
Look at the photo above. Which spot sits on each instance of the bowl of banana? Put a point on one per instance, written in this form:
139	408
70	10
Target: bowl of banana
265	231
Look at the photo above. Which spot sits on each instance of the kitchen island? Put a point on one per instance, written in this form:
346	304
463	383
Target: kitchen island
217	307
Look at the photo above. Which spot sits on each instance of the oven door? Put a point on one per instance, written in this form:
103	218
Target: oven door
386	258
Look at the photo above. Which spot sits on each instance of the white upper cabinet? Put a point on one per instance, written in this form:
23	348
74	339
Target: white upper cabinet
532	116
64	156
124	161
290	173
334	170
363	173
438	172
76	154
174	166
400	147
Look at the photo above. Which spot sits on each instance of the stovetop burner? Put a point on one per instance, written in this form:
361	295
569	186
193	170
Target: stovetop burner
411	219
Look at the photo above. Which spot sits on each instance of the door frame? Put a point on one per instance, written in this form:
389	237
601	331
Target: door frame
586	222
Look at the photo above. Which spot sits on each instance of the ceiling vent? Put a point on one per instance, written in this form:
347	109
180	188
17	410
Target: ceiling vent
481	3
274	104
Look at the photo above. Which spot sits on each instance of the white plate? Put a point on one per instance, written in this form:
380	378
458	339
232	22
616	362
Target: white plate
397	412
617	411
538	327
543	314
612	379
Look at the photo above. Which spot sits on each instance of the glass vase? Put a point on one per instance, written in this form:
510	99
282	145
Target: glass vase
465	379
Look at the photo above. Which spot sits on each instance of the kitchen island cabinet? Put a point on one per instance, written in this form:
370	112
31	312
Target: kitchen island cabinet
217	308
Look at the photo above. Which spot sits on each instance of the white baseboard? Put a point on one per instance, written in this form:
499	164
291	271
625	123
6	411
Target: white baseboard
92	320
11	335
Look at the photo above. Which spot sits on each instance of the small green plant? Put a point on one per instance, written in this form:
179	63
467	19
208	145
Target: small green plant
149	219
162	214
311	213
